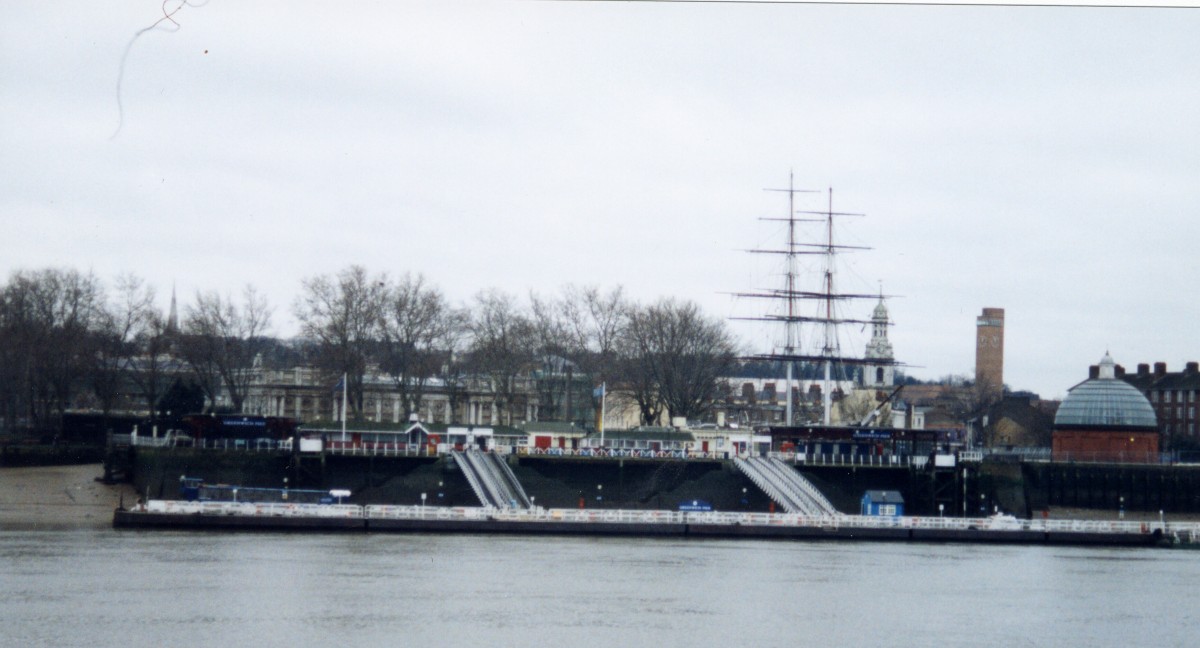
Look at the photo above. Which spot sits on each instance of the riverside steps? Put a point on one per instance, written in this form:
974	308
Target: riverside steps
162	514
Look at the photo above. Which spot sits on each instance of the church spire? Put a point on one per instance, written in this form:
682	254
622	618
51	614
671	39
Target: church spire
173	315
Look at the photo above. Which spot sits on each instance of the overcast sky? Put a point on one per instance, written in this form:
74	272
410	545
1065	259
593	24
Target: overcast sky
1041	160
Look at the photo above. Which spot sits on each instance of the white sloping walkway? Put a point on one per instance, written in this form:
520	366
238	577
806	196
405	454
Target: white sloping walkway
785	486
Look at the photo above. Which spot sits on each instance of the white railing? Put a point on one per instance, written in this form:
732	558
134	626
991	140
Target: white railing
476	485
806	489
268	509
625	453
372	449
767	483
882	461
1183	531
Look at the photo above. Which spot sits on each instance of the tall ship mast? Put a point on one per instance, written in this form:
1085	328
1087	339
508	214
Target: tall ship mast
822	318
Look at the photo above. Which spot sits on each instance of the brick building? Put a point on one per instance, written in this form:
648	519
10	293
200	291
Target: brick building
989	349
1173	396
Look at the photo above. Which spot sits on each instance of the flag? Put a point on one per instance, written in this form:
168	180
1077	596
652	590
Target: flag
341	384
598	392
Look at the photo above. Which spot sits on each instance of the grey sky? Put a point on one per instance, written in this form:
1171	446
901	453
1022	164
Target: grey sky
1041	160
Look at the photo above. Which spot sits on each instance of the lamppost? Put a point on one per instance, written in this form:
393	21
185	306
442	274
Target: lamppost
423	504
284	489
982	505
599	495
1121	512
745	501
441	494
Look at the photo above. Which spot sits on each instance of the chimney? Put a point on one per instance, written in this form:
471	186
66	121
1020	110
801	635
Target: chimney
1192	367
1160	369
748	392
1143	369
1120	371
1093	372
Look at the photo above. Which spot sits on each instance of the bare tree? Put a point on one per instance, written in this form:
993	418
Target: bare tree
556	352
119	322
596	320
222	341
417	328
342	313
47	323
577	335
681	354
502	346
141	332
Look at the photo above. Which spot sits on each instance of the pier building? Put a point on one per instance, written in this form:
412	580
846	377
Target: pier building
1105	419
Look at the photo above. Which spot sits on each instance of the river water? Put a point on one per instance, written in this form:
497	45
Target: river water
155	588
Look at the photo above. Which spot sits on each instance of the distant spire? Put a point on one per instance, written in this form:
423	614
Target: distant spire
173	316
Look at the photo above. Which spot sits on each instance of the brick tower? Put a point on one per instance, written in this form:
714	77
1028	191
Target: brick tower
989	349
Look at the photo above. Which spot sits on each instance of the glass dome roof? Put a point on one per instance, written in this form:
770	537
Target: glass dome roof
1106	401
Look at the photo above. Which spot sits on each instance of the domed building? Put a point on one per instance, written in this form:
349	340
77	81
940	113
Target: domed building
1105	418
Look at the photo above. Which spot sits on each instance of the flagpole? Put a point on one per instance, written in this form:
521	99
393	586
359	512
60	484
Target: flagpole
343	407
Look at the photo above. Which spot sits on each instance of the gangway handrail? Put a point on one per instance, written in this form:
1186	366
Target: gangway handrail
787	485
509	479
768	484
769	467
468	469
495	490
806	487
503	487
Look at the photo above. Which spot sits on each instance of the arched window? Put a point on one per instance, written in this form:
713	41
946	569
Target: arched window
878	375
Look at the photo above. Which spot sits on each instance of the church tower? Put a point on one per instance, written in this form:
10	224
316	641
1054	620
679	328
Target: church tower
879	348
989	351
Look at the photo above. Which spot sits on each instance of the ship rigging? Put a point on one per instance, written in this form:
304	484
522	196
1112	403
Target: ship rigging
825	320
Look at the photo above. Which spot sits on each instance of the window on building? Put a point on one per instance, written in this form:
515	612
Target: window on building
1154	397
1179	412
1192	412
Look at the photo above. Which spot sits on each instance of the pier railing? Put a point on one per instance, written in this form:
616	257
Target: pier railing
880	461
268	509
729	518
1185	532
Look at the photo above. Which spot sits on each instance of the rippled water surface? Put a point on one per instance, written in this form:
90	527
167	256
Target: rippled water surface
139	588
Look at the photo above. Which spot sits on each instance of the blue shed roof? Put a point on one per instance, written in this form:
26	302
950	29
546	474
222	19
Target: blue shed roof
884	497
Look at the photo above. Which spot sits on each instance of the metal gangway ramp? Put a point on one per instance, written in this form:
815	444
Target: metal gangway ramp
785	486
491	479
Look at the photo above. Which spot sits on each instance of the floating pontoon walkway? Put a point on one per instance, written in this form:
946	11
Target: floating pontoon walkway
158	514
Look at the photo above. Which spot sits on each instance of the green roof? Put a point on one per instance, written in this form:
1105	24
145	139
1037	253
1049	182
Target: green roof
645	434
554	427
